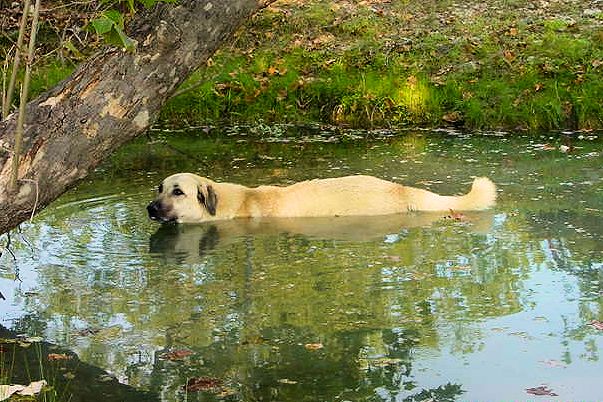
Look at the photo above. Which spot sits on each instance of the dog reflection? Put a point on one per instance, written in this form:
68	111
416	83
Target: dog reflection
191	242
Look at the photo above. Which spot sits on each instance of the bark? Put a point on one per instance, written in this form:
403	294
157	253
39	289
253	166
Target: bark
108	100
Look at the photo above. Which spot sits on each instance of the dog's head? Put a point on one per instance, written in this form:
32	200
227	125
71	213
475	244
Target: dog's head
184	197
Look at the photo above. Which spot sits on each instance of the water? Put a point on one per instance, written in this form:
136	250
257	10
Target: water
410	307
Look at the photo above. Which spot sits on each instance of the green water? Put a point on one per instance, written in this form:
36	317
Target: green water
408	307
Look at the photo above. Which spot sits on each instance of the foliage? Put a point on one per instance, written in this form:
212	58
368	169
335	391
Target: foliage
110	23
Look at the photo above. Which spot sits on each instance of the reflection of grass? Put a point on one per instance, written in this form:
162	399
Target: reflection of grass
22	362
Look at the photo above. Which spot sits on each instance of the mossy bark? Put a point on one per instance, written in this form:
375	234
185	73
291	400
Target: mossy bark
109	99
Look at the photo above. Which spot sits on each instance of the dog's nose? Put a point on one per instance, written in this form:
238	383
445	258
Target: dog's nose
153	210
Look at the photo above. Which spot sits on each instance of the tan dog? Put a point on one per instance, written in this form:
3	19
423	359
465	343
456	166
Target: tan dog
186	197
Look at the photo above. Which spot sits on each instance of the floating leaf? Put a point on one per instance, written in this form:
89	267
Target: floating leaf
206	384
554	363
596	324
58	356
176	354
313	346
541	391
456	216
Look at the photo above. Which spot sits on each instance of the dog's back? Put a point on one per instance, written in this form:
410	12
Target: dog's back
367	195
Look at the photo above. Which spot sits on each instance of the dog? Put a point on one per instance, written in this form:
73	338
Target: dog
188	198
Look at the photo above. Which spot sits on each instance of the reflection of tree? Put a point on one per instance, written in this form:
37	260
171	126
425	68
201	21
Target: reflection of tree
247	303
286	290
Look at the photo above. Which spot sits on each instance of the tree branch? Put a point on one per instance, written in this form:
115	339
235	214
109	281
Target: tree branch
110	99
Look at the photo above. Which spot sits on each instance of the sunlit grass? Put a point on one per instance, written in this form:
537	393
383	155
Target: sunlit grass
355	70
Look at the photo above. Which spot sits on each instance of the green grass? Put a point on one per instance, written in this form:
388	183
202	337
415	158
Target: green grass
398	64
44	76
361	68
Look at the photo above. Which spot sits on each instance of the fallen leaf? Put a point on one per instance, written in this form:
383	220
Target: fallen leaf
456	216
452	117
541	391
176	354
33	388
87	331
31	339
509	56
106	377
554	363
206	384
6	391
313	346
548	147
596	324
58	356
564	148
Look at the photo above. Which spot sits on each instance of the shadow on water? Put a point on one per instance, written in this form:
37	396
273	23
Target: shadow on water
72	380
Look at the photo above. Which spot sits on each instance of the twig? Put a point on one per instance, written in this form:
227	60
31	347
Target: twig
13	77
24	92
33	211
24	239
7	247
69	5
187	89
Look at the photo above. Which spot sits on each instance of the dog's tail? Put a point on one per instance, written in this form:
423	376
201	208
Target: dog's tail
482	196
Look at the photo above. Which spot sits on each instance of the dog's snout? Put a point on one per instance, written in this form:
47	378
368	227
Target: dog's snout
153	210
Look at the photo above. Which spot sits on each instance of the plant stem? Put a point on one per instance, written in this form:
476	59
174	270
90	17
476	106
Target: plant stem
24	92
8	99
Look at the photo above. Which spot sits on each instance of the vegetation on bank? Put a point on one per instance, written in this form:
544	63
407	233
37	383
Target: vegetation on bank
512	64
498	64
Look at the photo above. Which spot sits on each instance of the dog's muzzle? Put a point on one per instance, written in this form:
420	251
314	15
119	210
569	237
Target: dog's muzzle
154	210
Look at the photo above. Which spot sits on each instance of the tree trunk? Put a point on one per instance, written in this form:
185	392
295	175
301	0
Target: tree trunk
109	99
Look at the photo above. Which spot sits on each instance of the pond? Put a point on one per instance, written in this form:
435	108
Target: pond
497	305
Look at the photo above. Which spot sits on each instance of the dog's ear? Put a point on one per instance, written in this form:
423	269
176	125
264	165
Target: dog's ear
208	198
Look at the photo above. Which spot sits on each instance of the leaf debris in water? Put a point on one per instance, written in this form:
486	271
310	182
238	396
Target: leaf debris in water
596	324
176	354
207	384
58	356
543	390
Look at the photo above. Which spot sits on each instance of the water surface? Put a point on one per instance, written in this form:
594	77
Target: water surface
481	306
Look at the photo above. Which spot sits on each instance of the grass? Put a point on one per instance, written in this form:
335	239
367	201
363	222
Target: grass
405	64
22	363
507	64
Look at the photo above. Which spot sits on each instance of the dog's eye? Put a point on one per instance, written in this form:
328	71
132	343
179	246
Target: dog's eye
177	191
